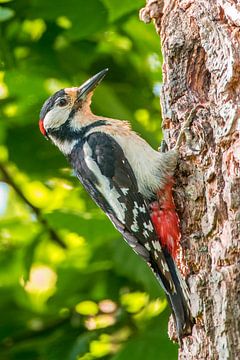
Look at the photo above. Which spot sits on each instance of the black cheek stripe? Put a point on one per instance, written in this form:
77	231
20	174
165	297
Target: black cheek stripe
65	132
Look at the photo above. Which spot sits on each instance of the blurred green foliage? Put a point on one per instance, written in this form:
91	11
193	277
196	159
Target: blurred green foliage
95	298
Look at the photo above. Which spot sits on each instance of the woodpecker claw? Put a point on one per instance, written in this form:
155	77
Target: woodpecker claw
163	147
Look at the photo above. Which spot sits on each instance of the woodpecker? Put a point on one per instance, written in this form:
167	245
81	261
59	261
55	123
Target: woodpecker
129	180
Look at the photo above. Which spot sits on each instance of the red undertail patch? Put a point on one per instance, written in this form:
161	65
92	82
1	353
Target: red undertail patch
165	220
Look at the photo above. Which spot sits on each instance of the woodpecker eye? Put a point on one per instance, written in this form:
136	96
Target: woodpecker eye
62	102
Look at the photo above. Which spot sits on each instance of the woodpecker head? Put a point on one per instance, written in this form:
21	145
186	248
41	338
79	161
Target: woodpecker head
65	112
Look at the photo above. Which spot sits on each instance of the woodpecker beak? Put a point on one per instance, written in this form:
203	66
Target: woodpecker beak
90	84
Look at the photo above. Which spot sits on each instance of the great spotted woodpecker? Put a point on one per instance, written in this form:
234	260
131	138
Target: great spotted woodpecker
130	181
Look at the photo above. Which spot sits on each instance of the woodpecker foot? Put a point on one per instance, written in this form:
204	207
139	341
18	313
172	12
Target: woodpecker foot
185	130
163	147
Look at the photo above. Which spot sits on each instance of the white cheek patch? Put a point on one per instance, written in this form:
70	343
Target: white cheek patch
56	117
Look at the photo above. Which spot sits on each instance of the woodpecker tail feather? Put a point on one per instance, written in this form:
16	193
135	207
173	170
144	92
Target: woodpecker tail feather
166	223
179	301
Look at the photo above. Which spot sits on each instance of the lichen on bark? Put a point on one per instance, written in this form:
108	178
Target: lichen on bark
201	50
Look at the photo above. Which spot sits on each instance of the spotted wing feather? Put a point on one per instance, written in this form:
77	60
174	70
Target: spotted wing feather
103	169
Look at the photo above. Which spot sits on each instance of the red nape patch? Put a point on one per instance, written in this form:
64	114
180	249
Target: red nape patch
41	127
165	220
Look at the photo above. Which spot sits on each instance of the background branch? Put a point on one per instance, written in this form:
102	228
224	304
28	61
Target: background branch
10	181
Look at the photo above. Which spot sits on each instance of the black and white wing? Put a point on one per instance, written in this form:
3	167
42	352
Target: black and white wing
103	169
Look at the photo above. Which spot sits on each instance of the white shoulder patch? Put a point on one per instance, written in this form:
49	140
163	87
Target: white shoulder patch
103	186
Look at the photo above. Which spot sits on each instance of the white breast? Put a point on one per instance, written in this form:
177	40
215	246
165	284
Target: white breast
151	168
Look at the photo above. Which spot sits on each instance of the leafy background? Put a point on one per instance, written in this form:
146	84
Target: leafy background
93	298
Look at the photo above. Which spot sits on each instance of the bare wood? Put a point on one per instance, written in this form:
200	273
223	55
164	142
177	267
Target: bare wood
201	48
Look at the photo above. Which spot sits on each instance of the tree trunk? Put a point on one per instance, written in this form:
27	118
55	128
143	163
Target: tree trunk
201	49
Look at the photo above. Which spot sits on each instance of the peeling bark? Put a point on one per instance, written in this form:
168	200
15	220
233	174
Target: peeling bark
201	49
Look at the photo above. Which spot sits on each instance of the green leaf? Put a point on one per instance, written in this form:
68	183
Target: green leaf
118	8
6	13
135	268
81	345
25	140
108	104
86	17
29	256
142	34
91	229
151	344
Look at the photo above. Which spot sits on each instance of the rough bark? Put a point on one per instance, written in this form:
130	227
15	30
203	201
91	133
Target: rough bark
201	49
